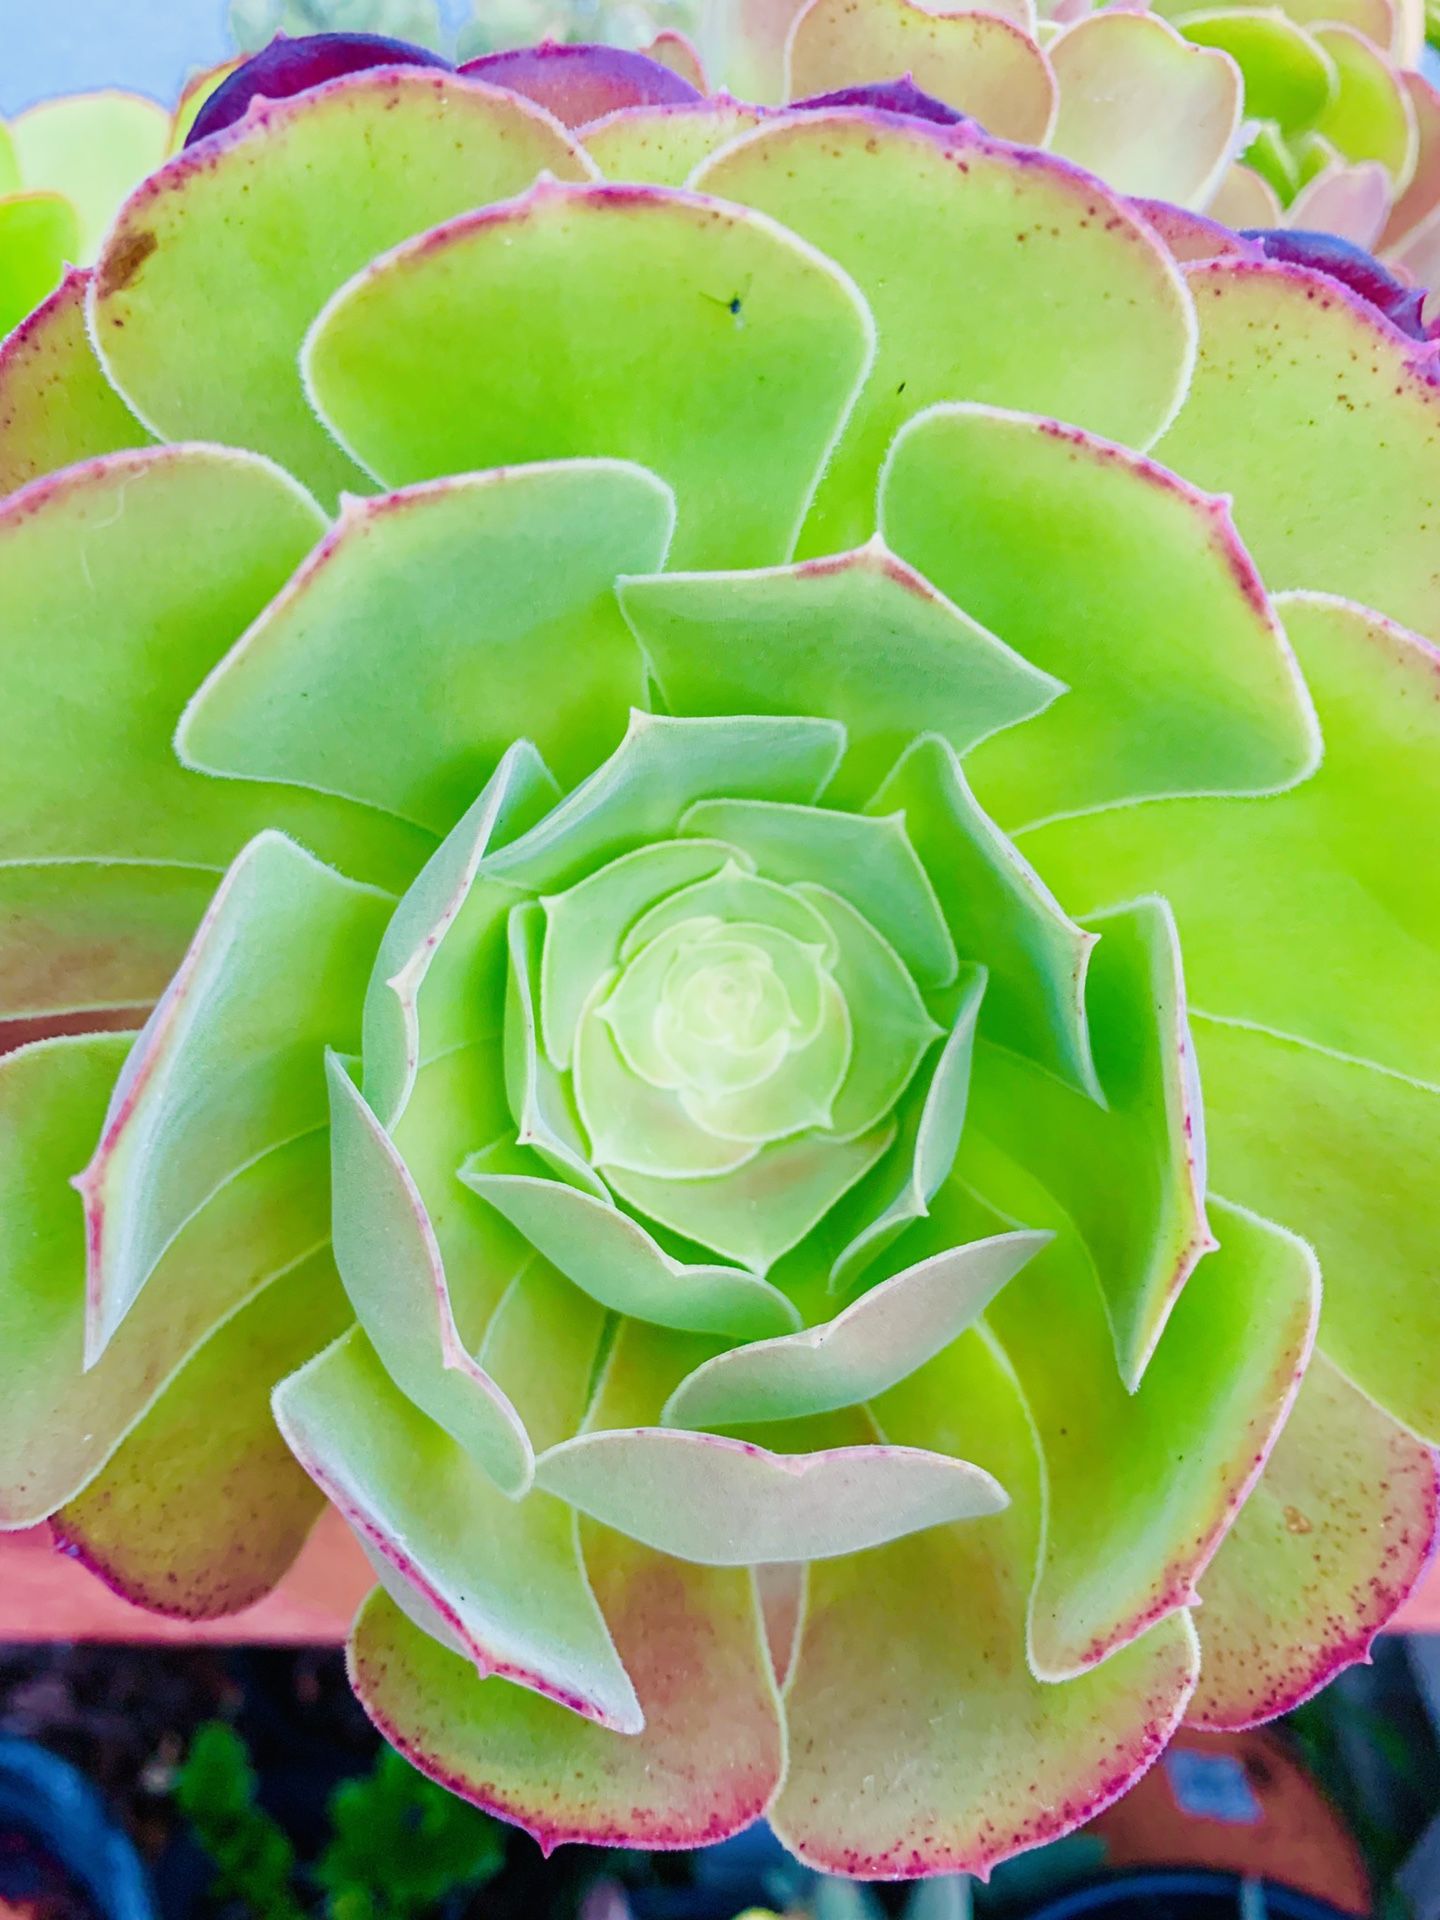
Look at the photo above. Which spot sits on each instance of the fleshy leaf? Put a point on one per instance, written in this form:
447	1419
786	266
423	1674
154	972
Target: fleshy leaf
449	921
1369	116
892	1029
1333	1538
1285	432
613	1259
870	1347
541	1105
92	148
202	1509
496	592
765	1207
259	1225
1178	1455
946	1683
663	146
94	936
391	1265
578	82
1143	107
228	1065
1349	1155
321	183
39	237
1000	913
56	406
661	768
1289	77
505	1576
1291	908
585	924
867	860
290	66
1073	282
705	1765
858	636
729	1503
730	382
970	491
984	63
182	547
902	1187
1131	1174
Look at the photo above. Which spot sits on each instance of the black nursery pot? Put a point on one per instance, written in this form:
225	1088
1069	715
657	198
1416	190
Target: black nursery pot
1183	1896
59	1845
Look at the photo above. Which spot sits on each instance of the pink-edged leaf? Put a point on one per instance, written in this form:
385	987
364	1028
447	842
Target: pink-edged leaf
56	405
202	1508
229	1065
871	1346
886	96
287	67
394	1273
503	1576
1342	260
918	1649
705	1765
730	1503
59	1422
1192	236
581	82
662	146
1334	1537
679	53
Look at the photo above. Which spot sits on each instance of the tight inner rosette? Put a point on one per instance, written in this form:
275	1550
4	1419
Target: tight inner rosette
717	895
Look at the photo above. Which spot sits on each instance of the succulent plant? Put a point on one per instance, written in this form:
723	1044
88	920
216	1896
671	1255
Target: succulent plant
686	775
65	166
1301	115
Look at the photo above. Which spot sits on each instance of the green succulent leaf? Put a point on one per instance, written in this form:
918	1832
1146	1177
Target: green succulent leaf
584	925
736	410
256	1227
91	148
867	862
970	491
954	1692
1131	1173
1304	1549
541	1104
422	999
879	196
1346	384
229	1066
613	1259
367	678
905	1182
294	183
395	1276
56	403
885	1336
504	1576
1000	914
202	1507
39	237
859	636
1289	77
662	146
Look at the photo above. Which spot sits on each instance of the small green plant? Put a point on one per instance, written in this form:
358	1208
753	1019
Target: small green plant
399	1845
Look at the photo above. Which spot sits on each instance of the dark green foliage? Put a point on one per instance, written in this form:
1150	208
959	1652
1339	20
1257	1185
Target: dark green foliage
254	1860
399	1845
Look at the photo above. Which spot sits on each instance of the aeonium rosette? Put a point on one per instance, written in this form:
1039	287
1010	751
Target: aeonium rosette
684	799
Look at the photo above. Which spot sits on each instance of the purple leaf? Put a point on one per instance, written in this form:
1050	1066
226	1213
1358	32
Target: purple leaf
582	83
288	67
1361	272
889	96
